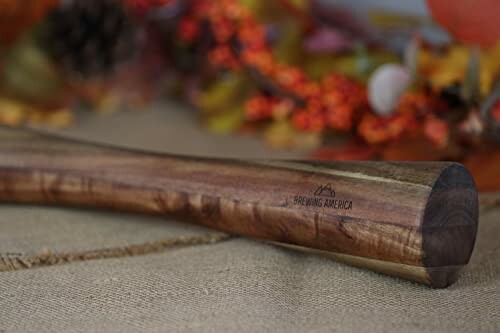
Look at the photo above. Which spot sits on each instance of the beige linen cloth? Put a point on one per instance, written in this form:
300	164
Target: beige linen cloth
77	270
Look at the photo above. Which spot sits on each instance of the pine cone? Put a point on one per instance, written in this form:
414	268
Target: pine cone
91	37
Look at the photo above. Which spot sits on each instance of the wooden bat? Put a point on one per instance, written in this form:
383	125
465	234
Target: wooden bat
417	221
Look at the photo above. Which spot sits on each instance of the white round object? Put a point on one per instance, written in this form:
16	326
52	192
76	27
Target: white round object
386	86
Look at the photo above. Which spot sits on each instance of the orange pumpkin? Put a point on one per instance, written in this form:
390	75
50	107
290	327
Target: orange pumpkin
472	22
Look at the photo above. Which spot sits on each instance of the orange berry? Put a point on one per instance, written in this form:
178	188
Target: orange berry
333	98
288	76
258	108
188	29
300	120
223	29
282	108
316	122
309	90
377	130
223	56
340	117
437	131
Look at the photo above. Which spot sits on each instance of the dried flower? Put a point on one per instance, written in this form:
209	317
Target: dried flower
386	86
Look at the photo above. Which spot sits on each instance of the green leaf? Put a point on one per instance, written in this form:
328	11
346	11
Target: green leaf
28	73
471	90
282	134
411	58
364	62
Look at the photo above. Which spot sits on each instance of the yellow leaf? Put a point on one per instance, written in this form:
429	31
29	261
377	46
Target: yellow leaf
227	122
450	67
12	113
282	134
224	92
60	118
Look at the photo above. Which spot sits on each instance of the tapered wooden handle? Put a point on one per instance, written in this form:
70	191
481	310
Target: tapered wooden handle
413	220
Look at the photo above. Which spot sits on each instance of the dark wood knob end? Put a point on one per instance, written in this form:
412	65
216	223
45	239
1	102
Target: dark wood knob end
449	225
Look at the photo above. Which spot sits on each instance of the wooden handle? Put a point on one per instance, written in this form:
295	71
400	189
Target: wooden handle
413	220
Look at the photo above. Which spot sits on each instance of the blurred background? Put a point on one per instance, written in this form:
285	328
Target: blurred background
310	79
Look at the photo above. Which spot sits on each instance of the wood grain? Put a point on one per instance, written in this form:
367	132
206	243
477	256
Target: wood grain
413	220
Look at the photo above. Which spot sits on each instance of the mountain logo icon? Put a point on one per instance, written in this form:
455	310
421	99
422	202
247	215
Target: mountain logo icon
325	191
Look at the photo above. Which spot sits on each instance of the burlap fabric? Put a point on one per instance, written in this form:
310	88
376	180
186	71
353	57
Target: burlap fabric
78	270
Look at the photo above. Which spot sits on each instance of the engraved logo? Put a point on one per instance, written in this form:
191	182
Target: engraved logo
325	191
323	196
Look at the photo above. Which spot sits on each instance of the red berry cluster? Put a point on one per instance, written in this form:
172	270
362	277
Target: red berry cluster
332	104
335	102
262	107
413	108
188	29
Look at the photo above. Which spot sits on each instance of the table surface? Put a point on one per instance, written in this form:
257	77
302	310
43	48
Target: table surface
82	270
